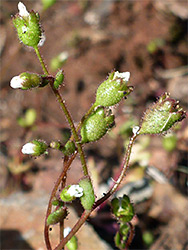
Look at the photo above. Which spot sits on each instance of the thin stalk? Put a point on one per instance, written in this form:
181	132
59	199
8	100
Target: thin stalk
49	209
87	213
41	61
124	167
73	129
67	114
63	183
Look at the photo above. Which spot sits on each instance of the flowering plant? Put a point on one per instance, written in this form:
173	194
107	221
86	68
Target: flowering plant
92	127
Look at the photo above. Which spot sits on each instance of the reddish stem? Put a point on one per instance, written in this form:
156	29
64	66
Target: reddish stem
58	181
87	213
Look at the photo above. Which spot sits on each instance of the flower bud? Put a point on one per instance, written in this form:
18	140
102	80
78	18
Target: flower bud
72	244
55	144
88	198
71	192
35	148
47	3
96	125
111	91
58	79
161	116
28	27
69	148
122	208
121	236
58	61
28	119
27	80
57	216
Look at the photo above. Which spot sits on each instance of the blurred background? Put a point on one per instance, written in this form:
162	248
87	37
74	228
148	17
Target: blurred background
89	39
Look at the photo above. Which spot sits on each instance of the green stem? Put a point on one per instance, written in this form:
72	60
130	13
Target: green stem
41	61
67	114
73	129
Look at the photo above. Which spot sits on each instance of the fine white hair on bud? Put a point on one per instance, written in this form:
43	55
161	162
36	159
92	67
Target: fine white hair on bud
42	40
22	10
75	191
16	82
136	130
66	231
28	148
125	76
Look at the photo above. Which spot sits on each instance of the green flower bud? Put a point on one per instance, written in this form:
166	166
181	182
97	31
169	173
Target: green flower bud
28	27
71	192
111	91
57	216
47	3
27	80
124	229
161	116
121	236
69	148
58	61
72	244
28	119
88	198
55	202
35	148
122	208
55	144
96	125
58	79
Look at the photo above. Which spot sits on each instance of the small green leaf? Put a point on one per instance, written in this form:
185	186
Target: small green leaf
88	198
57	216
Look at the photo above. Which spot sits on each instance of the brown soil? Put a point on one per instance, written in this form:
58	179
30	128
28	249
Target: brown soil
118	40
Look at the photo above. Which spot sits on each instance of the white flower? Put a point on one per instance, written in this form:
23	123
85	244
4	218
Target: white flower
125	76
75	191
16	82
28	148
66	231
22	10
135	130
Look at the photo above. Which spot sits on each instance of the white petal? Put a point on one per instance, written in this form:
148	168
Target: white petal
66	231
16	82
75	191
125	75
22	10
28	148
42	40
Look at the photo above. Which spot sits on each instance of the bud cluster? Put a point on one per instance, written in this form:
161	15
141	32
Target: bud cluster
161	116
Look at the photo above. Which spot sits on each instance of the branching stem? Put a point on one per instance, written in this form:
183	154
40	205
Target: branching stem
86	213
